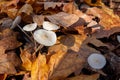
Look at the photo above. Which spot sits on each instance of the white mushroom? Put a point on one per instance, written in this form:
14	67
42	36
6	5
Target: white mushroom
96	61
44	37
30	27
118	38
50	26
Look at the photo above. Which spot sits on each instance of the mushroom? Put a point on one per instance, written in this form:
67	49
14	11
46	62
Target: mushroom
44	37
30	27
50	26
118	38
96	61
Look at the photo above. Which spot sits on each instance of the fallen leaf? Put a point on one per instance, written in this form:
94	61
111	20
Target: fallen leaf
26	8
3	76
13	58
40	68
26	59
38	19
10	43
6	66
85	77
52	5
63	19
112	20
62	62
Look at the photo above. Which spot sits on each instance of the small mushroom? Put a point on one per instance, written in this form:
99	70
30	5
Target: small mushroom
30	27
44	37
96	61
50	26
118	38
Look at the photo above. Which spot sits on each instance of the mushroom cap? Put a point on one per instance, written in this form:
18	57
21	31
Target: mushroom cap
30	27
118	38
96	61
44	37
50	26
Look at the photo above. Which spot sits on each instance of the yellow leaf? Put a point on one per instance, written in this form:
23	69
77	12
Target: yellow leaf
26	62
39	68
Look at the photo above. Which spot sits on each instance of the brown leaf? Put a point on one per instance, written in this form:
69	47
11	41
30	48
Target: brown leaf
6	66
85	77
63	19
3	76
105	13
10	43
63	63
69	7
38	19
52	5
26	8
13	58
110	26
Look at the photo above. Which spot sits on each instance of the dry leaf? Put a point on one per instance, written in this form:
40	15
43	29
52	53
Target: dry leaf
40	68
85	77
69	7
110	26
63	19
62	62
52	5
103	14
26	60
38	19
6	66
26	8
10	43
3	76
13	58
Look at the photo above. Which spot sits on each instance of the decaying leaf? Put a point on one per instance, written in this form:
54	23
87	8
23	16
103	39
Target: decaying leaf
85	77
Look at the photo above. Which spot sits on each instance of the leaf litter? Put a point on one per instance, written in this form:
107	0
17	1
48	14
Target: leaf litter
80	32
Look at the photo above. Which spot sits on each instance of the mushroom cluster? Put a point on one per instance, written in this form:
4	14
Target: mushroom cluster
44	36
